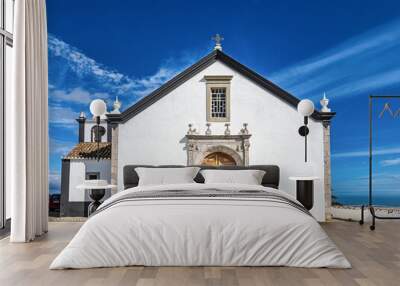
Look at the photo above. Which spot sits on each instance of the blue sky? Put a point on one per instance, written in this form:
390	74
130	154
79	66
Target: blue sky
348	49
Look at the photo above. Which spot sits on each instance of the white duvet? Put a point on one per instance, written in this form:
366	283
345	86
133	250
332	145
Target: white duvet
200	231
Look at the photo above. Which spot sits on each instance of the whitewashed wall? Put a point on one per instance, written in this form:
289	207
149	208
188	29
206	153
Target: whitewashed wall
156	135
78	170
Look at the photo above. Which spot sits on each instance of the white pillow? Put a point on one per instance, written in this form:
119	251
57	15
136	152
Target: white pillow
166	176
247	177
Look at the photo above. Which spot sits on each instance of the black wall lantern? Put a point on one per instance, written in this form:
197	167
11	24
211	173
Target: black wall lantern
305	108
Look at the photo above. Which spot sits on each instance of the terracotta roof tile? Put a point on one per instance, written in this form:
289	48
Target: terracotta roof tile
88	150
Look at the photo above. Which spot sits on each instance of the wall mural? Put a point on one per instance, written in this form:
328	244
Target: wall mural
121	50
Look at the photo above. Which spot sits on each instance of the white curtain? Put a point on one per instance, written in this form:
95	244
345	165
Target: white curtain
27	119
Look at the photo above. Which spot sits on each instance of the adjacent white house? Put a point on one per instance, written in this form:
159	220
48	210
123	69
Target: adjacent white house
89	159
216	112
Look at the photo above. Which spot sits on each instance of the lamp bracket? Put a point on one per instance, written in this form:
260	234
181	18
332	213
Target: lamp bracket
303	130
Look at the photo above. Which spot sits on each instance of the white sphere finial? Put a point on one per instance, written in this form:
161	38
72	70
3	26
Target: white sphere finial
305	107
98	107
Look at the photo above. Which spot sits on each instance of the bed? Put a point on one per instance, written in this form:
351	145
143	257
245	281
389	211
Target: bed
198	224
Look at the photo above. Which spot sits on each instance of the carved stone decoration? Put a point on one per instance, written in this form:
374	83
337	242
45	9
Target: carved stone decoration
244	130
227	130
246	146
191	130
208	131
200	146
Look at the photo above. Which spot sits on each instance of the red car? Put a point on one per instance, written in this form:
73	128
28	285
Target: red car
54	202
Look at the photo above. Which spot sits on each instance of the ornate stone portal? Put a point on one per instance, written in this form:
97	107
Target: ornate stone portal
235	146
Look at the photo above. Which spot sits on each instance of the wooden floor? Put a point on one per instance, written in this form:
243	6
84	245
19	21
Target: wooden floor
375	257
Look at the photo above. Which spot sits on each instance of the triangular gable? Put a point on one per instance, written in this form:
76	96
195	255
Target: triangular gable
198	67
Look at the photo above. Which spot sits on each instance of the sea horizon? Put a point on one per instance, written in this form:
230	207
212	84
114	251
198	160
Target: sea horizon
389	200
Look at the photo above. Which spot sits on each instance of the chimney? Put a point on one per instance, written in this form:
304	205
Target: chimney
81	120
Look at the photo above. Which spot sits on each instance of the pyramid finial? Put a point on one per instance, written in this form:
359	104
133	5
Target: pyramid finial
324	103
117	105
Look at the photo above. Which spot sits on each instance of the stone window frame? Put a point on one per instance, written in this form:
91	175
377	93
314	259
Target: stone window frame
218	81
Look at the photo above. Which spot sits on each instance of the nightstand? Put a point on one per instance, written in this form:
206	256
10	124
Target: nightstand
305	190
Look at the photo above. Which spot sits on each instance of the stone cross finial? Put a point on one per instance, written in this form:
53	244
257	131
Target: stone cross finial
218	39
324	103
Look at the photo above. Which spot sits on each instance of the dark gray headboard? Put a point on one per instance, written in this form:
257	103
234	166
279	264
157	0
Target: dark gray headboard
271	177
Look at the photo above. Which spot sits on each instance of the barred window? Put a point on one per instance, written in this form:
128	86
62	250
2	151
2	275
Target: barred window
218	98
218	102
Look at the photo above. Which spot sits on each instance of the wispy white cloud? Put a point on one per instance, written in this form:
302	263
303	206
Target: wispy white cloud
390	162
76	95
76	79
62	116
60	147
372	82
83	65
150	83
364	153
363	63
110	79
54	180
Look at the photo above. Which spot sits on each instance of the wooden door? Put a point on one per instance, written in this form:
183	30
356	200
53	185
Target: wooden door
218	159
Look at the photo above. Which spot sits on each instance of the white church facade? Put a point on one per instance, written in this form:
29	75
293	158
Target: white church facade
216	112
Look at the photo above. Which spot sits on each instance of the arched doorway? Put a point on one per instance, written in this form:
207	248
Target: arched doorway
218	159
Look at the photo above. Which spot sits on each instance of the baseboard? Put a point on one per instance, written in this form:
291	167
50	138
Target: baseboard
5	231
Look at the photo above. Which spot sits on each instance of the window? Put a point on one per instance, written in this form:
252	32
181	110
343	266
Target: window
218	102
218	98
6	43
92	175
